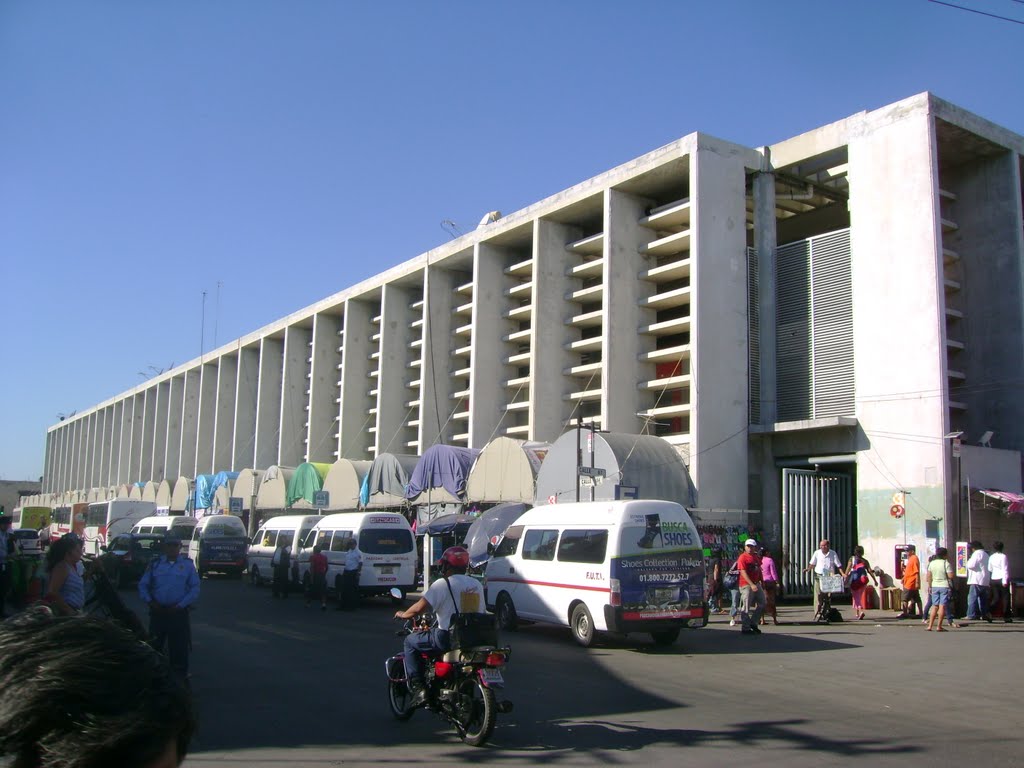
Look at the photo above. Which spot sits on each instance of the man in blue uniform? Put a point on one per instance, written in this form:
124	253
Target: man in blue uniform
169	586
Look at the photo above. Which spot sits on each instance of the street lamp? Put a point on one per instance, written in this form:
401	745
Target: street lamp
955	437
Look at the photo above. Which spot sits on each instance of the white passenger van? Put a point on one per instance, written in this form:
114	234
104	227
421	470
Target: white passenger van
385	541
289	529
106	519
219	543
181	526
618	566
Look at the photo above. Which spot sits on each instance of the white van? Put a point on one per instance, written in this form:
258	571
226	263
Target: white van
385	541
219	543
106	519
182	526
619	566
289	529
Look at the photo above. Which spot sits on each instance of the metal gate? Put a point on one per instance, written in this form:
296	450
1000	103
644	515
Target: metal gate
815	506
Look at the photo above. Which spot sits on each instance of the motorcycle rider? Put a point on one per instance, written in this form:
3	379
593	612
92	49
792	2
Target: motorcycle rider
453	590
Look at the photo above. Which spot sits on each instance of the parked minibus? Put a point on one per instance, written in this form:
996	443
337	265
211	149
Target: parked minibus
35	518
68	519
106	519
617	566
219	543
384	540
291	530
181	526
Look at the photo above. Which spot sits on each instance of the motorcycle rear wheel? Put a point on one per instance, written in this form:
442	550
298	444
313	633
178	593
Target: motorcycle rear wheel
476	712
399	698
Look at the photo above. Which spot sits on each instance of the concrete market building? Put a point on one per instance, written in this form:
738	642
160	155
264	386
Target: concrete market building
807	323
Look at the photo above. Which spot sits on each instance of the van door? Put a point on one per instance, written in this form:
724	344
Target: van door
501	571
336	558
539	575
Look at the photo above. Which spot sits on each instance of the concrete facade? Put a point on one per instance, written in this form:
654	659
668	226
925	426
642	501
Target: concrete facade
665	296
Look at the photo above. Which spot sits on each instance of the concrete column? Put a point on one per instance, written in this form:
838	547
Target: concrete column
98	454
190	421
719	355
393	371
124	470
487	359
224	417
244	455
92	449
163	402
148	434
175	412
765	244
294	402
268	412
323	386
550	336
108	425
117	431
623	316
208	375
74	457
65	469
48	463
354	440
137	437
435	388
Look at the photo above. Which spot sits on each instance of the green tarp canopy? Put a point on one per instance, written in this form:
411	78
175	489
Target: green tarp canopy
307	480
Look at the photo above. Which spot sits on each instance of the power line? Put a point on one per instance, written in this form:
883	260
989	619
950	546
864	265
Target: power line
975	10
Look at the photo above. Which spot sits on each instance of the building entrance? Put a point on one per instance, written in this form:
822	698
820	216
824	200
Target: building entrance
815	506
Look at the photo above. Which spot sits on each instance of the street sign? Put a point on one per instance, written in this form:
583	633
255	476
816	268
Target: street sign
593	471
321	499
956	447
897	510
627	492
235	505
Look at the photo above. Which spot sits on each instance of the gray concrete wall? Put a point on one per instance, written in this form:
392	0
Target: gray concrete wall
224	418
355	440
393	415
438	342
244	442
718	337
268	412
323	396
488	369
163	402
294	396
175	411
190	421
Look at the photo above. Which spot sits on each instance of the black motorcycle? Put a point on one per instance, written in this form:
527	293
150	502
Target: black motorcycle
462	684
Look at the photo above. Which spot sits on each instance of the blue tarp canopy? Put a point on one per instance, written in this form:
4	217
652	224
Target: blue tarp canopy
207	485
440	475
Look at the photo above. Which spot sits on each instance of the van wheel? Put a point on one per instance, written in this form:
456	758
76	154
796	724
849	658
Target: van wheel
254	576
506	613
665	636
582	626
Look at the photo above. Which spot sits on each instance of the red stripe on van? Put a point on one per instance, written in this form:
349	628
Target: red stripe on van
550	584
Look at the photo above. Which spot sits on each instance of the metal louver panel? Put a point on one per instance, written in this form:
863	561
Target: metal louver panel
815	328
753	340
815	506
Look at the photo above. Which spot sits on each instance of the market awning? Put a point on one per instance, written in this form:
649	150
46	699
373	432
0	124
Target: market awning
1015	500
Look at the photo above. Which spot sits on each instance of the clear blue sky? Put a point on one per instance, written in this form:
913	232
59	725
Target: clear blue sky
288	150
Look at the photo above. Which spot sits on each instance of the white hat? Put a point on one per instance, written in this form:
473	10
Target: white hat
751	543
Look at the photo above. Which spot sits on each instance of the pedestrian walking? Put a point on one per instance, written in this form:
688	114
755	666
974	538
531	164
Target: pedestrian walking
911	585
858	571
715	584
751	587
281	563
317	578
977	582
999	582
6	553
940	577
65	593
349	598
770	575
170	587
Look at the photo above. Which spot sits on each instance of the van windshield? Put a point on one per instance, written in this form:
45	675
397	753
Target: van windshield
385	541
229	526
183	532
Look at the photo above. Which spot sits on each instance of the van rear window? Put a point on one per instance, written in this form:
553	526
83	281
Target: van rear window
385	541
583	546
229	526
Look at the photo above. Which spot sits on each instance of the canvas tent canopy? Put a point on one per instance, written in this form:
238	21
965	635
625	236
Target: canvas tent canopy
247	485
135	494
505	470
181	495
385	483
343	482
306	480
440	475
122	491
149	491
163	493
273	493
644	464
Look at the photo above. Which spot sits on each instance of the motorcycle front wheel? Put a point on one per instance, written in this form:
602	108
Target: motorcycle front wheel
476	712
399	698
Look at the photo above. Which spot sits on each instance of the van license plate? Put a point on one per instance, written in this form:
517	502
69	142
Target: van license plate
491	676
387	569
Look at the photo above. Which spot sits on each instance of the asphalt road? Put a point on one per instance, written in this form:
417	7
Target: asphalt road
281	684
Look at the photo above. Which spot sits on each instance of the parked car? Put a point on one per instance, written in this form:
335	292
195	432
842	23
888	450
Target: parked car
125	558
27	541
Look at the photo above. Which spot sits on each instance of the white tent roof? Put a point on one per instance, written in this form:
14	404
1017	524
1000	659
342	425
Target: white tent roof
505	470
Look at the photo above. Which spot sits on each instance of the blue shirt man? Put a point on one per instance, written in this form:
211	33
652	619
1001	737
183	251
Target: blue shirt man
169	587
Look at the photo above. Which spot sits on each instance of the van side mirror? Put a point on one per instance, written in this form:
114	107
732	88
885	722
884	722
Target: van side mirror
396	593
490	548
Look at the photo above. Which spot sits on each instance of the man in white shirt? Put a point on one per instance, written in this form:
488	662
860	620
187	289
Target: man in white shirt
977	582
454	593
824	562
348	600
999	581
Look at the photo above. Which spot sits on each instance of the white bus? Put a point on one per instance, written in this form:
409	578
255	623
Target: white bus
292	530
106	519
384	540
